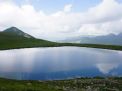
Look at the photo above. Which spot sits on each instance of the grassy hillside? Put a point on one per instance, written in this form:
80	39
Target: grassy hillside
12	41
29	43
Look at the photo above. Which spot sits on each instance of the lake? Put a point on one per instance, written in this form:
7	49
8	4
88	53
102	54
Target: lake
59	63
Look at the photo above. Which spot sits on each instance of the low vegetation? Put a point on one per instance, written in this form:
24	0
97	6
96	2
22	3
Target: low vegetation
20	42
81	84
11	39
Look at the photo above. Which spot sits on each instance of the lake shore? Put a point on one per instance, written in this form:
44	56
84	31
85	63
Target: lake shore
40	43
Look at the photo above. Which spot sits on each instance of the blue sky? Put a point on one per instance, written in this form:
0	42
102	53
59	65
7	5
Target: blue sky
61	19
55	5
50	6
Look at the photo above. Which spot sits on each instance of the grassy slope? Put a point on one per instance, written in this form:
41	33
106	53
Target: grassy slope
29	43
9	41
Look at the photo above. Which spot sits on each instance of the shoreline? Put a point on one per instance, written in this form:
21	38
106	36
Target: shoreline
98	46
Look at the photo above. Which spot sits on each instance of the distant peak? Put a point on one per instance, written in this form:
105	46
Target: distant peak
18	32
12	29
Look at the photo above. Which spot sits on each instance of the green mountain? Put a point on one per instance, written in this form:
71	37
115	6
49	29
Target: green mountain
14	38
14	32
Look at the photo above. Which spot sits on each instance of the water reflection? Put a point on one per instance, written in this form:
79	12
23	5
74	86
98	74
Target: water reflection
59	63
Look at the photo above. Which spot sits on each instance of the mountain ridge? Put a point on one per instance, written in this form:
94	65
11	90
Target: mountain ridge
110	39
16	32
11	39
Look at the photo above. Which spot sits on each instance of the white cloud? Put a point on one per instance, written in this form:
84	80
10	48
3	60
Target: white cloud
102	19
106	68
68	8
5	0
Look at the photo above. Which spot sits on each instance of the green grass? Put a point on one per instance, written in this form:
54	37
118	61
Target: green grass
14	85
30	43
62	85
9	41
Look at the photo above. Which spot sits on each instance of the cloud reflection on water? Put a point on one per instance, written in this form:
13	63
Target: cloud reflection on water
57	59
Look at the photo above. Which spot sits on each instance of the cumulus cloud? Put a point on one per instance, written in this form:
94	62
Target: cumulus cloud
102	19
68	8
106	68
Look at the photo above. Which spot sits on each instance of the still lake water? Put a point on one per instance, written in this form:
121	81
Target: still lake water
59	63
